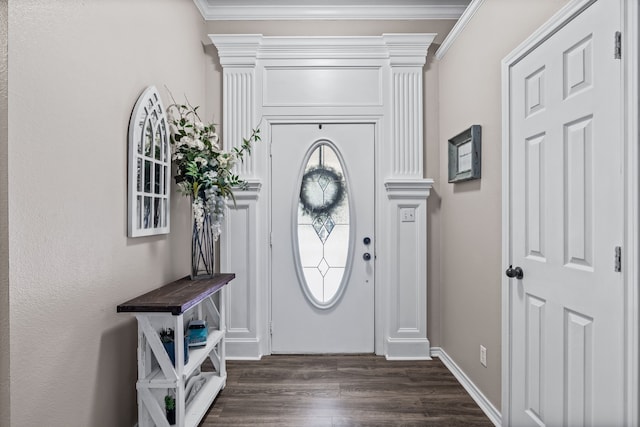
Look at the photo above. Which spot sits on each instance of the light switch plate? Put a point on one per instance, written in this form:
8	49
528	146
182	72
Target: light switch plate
408	214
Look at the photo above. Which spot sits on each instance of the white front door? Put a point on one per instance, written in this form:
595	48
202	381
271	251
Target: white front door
566	316
322	238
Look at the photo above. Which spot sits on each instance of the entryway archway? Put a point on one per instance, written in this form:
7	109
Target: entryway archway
375	80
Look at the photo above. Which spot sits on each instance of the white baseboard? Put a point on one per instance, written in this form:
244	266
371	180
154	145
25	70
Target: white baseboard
487	407
244	358
243	349
408	349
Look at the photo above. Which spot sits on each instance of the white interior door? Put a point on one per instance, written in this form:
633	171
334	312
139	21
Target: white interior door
322	212
566	214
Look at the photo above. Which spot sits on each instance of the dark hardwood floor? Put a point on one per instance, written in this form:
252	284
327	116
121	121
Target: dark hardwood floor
342	390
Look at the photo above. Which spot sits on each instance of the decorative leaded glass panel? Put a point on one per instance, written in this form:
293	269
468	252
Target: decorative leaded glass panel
323	225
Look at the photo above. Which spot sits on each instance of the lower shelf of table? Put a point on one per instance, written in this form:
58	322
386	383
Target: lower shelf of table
201	403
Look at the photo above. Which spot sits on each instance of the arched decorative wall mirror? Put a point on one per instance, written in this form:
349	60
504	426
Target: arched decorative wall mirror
149	167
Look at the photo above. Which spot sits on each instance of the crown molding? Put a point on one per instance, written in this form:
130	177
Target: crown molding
216	10
240	50
457	29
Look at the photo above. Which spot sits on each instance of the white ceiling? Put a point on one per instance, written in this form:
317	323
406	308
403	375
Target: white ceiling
330	9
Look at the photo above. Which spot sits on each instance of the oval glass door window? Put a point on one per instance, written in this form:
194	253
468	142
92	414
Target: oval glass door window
323	226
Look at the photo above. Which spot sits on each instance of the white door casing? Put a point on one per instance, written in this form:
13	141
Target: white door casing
565	323
376	80
300	323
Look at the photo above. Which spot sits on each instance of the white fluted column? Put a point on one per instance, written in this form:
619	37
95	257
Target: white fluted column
407	192
241	236
407	56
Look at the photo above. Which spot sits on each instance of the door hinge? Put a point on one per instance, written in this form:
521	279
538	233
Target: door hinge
271	328
618	260
617	52
270	240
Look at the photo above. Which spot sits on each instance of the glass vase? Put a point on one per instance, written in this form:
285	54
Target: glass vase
203	252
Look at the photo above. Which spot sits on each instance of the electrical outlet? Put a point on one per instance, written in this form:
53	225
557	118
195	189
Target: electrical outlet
483	356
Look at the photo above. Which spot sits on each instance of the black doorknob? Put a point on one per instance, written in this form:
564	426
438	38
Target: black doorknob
366	240
514	272
366	256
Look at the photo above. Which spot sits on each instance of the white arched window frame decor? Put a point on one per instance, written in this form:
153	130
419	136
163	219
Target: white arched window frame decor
149	167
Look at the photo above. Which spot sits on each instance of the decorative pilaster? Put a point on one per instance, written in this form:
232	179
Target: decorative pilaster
238	89
242	235
238	59
406	209
407	56
239	247
407	322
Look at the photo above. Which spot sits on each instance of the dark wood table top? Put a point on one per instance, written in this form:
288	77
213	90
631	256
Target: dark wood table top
176	297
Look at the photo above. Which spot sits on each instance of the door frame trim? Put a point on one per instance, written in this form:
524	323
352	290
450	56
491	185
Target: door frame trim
631	132
630	32
295	78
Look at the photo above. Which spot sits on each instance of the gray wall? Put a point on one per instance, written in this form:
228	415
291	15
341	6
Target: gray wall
471	270
76	68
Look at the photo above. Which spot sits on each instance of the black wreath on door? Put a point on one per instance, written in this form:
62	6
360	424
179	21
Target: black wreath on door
322	191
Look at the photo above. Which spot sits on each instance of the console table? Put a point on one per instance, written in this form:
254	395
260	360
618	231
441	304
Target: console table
173	306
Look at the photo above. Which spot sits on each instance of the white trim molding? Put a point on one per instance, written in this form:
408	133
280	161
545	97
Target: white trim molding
238	51
376	80
631	81
457	29
251	10
487	407
414	188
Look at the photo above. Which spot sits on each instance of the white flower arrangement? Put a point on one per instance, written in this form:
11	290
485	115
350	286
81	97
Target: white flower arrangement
203	168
